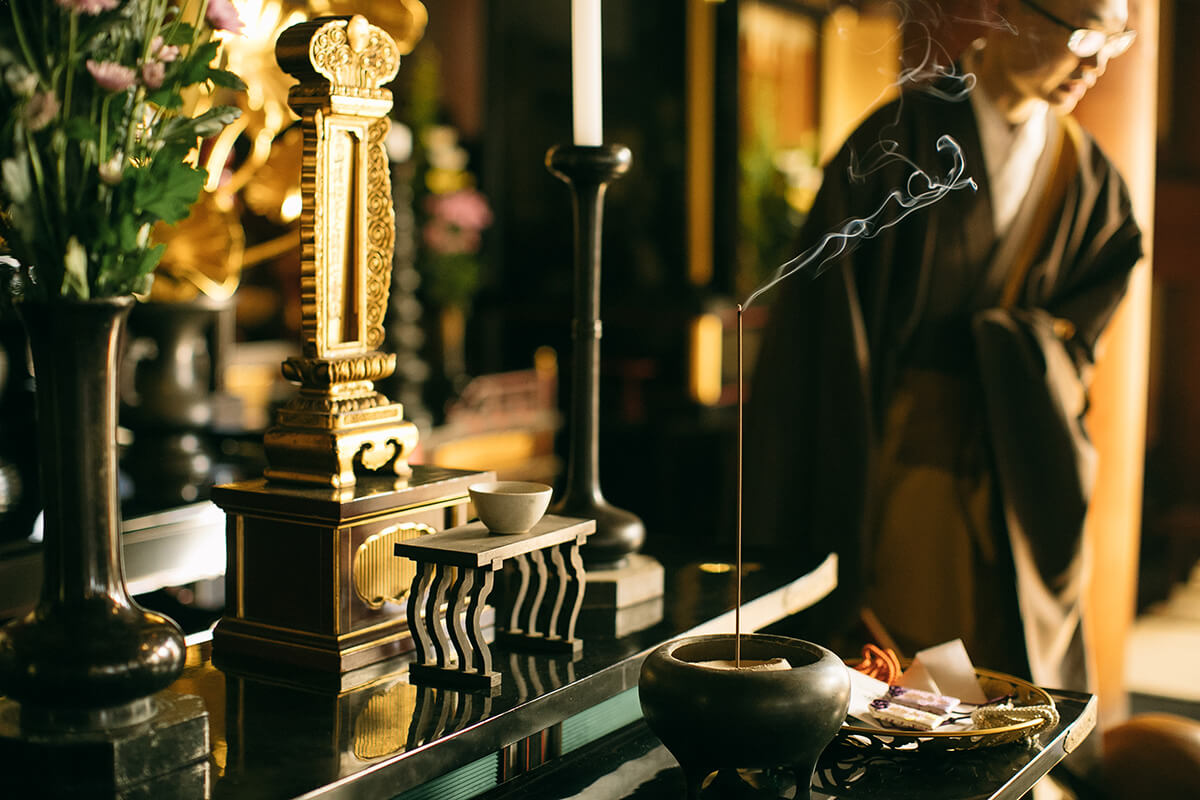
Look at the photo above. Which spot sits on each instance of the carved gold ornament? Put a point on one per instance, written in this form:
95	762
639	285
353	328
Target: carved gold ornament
381	727
339	423
379	576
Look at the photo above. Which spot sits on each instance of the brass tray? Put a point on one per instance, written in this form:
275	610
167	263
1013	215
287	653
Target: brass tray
994	684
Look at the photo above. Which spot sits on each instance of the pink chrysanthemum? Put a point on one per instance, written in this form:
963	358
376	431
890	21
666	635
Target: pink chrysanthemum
223	16
41	108
153	73
163	52
446	239
92	7
110	75
466	208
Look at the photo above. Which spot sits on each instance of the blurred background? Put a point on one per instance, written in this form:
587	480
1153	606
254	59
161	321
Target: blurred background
729	109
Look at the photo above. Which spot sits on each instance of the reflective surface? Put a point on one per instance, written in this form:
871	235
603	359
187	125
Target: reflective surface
633	763
280	733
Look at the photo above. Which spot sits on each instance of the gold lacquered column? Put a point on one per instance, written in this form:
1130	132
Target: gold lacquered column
338	423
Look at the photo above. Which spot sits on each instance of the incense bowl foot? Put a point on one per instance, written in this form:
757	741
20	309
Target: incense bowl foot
712	717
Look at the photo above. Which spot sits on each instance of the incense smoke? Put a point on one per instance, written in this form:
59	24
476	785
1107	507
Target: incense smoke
925	31
929	68
920	190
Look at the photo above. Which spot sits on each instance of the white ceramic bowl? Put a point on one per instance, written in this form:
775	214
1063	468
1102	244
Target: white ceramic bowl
510	506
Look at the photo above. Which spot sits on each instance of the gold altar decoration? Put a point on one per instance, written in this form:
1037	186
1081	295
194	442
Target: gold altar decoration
379	577
338	423
261	137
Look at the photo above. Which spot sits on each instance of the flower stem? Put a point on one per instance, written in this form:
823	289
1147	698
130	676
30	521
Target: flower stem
72	35
48	226
103	154
33	64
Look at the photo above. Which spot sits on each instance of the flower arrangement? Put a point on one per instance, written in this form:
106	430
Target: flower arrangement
455	214
98	141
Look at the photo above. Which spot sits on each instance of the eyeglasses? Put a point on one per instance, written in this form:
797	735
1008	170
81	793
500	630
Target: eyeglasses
1085	42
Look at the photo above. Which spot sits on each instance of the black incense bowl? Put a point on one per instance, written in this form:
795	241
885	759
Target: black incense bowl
713	718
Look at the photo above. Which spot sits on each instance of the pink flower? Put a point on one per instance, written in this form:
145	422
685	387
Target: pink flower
466	208
165	53
110	75
153	73
92	7
40	109
446	239
223	16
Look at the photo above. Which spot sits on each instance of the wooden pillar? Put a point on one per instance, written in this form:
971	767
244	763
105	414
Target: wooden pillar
1121	113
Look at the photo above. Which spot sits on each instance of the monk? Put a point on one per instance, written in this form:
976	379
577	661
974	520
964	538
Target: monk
894	417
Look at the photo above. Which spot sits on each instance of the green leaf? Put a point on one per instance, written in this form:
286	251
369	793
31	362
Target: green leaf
226	79
167	193
165	97
213	121
149	261
178	34
210	123
126	234
195	68
81	129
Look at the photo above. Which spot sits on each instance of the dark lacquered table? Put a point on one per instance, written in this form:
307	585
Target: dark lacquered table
372	734
632	763
557	726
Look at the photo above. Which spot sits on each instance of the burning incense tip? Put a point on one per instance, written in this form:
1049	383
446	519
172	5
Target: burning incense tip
747	664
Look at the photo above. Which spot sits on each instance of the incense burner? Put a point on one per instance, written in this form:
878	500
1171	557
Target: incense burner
711	715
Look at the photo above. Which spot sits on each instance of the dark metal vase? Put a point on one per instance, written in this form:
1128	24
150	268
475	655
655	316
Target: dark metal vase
712	718
619	533
167	400
87	657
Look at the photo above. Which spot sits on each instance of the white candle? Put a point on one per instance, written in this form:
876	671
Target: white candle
585	71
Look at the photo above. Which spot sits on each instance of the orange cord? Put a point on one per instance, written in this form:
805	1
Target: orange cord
880	663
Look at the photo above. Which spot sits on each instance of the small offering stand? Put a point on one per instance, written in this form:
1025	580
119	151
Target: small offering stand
461	562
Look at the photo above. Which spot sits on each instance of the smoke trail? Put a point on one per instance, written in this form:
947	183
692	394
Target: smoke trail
926	63
931	70
920	190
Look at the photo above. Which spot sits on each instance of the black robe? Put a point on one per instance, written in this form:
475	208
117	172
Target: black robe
838	345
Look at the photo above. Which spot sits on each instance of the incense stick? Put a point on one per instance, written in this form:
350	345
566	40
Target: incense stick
737	613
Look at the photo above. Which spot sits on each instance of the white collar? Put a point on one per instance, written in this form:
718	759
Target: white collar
1010	153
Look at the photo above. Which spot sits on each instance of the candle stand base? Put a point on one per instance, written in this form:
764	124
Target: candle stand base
640	579
623	600
619	622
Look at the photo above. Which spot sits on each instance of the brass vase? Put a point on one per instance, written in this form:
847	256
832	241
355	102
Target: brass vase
87	657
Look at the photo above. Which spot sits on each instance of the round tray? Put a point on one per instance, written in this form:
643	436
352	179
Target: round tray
994	684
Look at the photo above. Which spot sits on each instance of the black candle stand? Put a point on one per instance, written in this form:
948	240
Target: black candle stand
619	533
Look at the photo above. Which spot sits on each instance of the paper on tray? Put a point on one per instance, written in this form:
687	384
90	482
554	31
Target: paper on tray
864	689
950	671
945	669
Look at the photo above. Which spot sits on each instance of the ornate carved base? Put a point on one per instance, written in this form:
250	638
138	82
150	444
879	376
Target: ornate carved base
331	456
312	581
